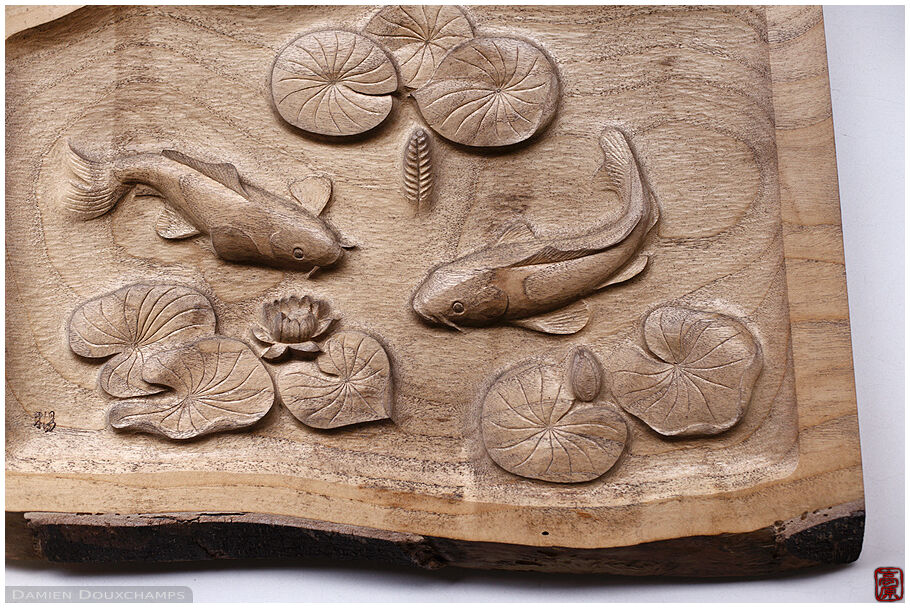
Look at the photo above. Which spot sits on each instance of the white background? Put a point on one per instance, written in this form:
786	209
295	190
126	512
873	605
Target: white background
866	63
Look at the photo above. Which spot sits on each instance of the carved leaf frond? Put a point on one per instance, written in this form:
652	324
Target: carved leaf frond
697	377
418	169
217	384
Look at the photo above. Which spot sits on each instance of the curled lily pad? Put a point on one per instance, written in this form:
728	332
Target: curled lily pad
218	384
133	322
350	382
333	83
532	426
419	37
490	92
696	377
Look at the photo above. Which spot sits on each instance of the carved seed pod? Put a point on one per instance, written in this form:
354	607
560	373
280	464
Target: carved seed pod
418	169
585	374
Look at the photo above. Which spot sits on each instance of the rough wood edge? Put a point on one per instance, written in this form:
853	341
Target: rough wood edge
830	536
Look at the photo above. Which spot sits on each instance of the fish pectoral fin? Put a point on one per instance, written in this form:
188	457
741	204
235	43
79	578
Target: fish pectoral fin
172	226
568	320
223	173
628	272
518	230
312	192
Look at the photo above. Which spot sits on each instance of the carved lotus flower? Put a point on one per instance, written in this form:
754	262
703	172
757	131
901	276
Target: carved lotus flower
292	324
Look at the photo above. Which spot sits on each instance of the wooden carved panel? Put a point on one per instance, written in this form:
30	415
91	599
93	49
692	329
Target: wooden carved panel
502	281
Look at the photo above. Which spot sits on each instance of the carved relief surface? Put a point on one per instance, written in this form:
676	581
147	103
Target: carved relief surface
132	322
527	278
418	170
243	223
467	253
291	324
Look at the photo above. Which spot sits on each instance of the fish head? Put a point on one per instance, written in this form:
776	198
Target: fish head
305	246
458	297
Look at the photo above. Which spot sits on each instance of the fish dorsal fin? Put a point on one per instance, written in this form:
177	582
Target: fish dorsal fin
655	209
568	320
619	163
172	226
550	254
312	192
517	231
628	272
223	173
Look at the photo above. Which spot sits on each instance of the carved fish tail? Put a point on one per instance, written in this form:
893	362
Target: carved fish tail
93	188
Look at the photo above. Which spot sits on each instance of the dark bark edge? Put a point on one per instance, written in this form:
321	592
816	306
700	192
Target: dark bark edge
828	536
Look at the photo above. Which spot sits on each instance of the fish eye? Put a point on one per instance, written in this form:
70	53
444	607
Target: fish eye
298	253
457	307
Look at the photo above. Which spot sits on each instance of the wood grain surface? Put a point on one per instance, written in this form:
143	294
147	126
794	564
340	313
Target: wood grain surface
728	112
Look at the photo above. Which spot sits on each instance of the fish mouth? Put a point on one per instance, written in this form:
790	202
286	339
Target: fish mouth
436	319
441	319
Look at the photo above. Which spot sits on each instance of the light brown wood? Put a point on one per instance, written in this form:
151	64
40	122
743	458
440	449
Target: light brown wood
685	163
22	17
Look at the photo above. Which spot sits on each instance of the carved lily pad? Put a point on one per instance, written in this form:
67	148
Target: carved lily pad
419	37
333	83
533	427
350	382
697	377
490	92
132	322
218	384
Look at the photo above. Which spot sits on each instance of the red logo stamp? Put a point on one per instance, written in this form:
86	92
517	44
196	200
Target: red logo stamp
889	584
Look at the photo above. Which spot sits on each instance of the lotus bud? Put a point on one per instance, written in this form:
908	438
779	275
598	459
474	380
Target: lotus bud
585	374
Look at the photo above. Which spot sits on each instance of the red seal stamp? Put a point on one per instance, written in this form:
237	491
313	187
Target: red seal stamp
889	584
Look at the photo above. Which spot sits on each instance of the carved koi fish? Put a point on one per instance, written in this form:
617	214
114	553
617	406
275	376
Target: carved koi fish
537	282
244	223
